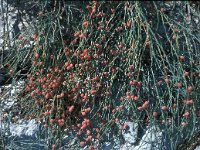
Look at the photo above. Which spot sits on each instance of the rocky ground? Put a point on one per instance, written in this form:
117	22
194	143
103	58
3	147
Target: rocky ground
25	135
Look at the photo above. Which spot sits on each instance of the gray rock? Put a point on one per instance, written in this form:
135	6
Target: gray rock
130	135
26	128
151	140
4	78
197	148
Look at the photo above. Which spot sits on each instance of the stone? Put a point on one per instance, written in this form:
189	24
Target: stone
130	135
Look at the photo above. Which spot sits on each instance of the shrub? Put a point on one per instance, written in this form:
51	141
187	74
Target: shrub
124	61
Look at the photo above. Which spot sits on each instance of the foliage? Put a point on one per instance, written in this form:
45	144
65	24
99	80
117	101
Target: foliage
120	62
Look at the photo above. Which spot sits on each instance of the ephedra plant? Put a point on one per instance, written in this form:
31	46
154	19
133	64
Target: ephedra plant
123	61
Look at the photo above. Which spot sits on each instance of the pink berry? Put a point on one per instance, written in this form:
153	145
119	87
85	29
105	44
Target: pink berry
155	114
183	124
164	107
182	58
189	89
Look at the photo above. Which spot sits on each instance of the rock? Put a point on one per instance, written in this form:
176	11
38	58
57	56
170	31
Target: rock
3	71
130	135
197	148
4	77
28	132
151	140
26	128
8	104
107	146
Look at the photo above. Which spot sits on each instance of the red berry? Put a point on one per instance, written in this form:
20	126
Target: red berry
62	94
179	84
20	37
155	114
167	81
91	148
71	108
37	55
84	126
47	96
140	108
46	125
183	124
83	113
145	105
182	58
134	82
131	82
189	89
164	107
186	74
87	109
61	122
131	67
174	105
82	143
139	84
93	92
190	102
174	37
54	147
41	63
186	115
86	24
88	132
89	138
51	121
125	126
135	98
